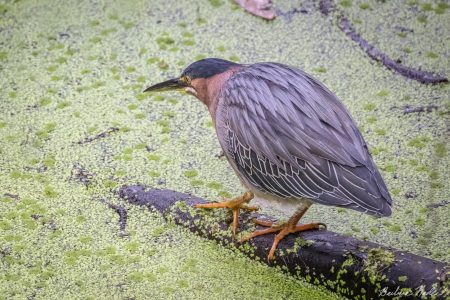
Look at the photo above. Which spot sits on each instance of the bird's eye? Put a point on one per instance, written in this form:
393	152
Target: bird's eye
185	79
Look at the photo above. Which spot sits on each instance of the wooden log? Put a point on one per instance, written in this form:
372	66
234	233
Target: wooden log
351	267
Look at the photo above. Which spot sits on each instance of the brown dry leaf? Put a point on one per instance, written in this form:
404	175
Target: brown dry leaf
260	8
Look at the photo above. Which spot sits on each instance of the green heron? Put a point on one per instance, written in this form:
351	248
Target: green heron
288	138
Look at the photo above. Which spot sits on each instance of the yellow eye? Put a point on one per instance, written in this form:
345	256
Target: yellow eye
185	79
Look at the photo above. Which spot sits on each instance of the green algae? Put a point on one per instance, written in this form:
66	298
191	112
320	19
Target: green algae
130	69
378	259
214	185
163	41
154	173
320	70
419	141
440	150
63	104
371	119
45	101
346	3
197	182
382	93
166	259
374	230
364	5
431	54
216	3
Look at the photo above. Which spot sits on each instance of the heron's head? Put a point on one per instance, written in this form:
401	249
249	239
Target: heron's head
198	78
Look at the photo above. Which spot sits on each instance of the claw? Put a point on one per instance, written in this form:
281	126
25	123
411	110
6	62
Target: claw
235	205
283	229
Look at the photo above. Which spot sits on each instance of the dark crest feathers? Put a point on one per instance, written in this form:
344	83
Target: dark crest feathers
207	67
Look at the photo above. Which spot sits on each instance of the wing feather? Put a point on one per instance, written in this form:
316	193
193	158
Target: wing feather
288	135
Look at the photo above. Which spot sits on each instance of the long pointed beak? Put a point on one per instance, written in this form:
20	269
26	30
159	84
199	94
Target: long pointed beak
168	85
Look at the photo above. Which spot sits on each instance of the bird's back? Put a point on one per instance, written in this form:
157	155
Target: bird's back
287	135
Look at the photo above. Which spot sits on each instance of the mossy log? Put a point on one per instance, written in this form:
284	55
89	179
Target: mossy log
351	267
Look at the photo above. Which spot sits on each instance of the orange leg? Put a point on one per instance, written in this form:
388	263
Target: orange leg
284	229
234	204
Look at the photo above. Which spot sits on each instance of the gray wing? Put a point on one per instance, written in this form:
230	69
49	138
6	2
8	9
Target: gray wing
290	136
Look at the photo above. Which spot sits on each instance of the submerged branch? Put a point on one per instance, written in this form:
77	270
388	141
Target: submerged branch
376	54
328	6
102	135
419	109
123	216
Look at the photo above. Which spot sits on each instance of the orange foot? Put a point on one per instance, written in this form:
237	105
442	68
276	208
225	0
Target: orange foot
234	204
284	230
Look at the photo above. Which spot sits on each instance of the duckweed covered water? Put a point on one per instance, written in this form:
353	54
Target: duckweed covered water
75	125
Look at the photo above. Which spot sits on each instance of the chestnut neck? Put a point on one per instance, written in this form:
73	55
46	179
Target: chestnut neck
208	89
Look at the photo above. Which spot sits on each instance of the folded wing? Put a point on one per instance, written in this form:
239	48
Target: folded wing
290	136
